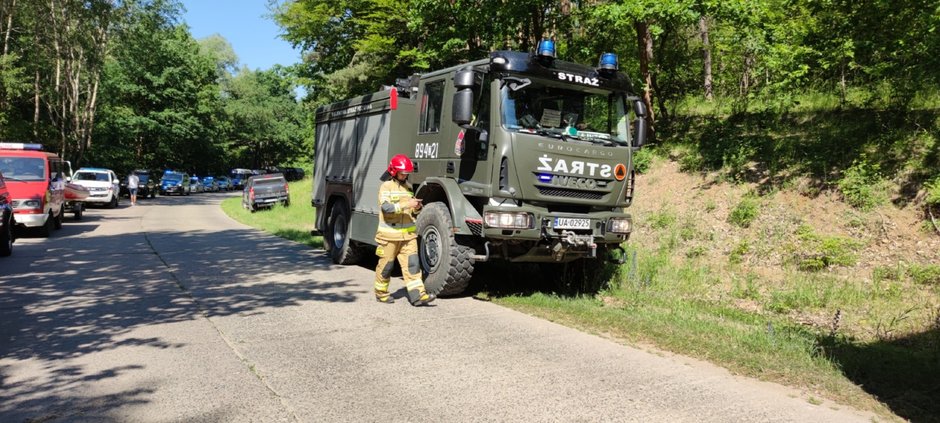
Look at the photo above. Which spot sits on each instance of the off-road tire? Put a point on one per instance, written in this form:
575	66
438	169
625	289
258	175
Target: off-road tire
6	239
447	266
336	239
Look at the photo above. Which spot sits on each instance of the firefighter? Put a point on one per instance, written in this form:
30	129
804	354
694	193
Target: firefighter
397	234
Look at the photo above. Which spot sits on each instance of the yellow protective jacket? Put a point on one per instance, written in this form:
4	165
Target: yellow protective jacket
396	221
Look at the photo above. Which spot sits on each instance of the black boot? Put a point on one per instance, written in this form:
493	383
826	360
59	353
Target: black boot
424	299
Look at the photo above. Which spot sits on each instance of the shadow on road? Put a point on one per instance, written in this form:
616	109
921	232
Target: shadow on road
71	296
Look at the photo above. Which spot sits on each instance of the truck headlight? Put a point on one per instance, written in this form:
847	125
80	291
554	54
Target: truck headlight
508	220
619	225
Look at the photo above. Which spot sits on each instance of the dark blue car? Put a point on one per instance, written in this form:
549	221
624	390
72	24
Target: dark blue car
174	183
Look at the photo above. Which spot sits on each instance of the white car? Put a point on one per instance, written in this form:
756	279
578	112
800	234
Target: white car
104	185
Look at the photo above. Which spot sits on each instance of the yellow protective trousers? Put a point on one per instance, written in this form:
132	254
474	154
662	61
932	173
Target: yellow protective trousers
407	253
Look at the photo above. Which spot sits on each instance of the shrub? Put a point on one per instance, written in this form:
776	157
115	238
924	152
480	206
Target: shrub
643	160
662	220
893	273
928	274
933	192
816	252
863	187
737	253
745	212
737	162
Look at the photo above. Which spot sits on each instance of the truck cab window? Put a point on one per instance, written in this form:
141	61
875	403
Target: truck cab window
481	114
431	103
554	110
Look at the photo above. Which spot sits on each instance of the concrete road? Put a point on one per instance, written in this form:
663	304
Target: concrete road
171	311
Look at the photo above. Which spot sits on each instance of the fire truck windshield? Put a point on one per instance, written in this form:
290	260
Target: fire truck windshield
24	169
565	111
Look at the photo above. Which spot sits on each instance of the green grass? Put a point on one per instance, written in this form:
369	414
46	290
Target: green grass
756	327
294	222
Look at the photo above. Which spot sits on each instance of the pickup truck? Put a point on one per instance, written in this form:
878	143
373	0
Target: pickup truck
265	191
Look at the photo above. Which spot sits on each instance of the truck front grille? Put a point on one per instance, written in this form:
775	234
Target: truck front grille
570	193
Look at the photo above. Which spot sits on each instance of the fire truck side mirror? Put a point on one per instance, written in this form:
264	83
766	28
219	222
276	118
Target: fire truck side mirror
640	124
463	107
463	98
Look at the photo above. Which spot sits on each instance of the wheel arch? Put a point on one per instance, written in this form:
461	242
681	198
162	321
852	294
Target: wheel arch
446	190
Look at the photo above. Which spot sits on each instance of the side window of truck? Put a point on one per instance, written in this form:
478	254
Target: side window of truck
431	103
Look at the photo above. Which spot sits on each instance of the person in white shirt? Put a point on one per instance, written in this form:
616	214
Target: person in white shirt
132	182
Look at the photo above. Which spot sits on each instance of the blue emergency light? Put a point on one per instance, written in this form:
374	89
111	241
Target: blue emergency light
545	177
546	49
608	62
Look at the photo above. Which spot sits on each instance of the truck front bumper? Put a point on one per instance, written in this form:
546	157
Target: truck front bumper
546	225
553	236
31	220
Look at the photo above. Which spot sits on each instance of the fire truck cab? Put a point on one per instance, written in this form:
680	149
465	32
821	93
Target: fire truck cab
36	180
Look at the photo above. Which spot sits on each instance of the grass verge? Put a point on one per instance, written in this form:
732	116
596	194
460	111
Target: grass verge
294	222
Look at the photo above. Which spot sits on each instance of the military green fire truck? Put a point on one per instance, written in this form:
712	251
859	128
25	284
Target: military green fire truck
519	157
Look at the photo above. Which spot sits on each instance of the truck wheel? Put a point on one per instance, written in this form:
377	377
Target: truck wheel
78	210
447	265
113	203
336	239
6	239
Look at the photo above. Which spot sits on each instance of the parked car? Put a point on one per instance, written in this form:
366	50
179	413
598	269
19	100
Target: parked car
195	184
146	187
104	185
225	184
239	177
265	191
7	220
209	184
36	181
293	173
174	182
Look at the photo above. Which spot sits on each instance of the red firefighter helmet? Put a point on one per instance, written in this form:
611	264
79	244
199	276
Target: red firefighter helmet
400	163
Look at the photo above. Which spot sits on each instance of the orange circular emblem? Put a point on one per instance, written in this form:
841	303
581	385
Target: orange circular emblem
620	171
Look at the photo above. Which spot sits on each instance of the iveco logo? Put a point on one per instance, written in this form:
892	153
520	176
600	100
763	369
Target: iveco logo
572	182
576	149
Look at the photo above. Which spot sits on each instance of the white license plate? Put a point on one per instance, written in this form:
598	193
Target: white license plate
572	223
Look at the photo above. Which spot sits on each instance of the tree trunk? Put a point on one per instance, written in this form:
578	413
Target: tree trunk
9	26
645	47
36	106
706	56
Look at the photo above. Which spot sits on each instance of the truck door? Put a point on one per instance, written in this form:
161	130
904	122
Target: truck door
427	152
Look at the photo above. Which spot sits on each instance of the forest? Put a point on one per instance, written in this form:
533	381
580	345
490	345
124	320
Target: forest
766	90
124	85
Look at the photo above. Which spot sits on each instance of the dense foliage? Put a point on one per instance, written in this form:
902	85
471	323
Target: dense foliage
123	84
763	90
